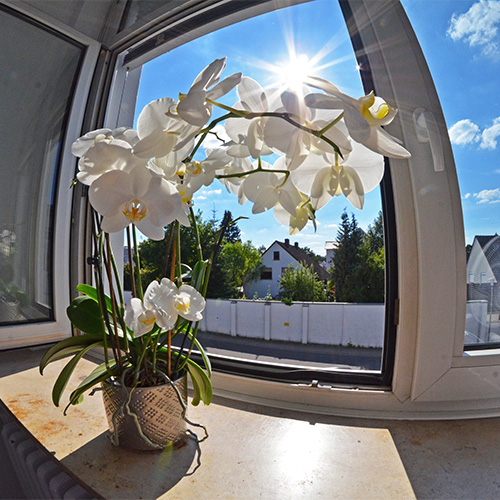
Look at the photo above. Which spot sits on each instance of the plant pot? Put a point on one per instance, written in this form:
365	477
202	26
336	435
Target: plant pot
145	418
9	311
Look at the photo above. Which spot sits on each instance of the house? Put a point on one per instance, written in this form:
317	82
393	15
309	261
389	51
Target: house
330	247
483	271
276	259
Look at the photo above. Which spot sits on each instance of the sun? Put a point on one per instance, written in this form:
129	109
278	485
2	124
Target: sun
295	70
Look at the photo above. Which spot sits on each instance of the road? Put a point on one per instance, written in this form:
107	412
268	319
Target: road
308	355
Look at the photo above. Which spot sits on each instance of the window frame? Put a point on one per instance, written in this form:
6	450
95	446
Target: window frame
432	378
38	332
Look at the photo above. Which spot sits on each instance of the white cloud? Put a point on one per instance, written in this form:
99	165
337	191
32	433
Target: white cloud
490	135
210	192
478	26
211	141
467	196
464	132
488	196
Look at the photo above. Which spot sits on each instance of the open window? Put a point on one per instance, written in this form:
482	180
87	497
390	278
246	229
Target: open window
347	334
421	365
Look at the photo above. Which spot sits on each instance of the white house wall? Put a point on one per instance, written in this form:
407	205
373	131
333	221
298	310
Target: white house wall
478	268
263	286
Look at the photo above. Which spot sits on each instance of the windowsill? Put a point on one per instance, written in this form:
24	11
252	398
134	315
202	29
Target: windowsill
254	452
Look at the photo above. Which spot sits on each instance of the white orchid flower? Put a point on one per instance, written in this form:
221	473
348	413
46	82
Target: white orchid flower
297	144
195	107
106	155
160	130
190	176
303	213
155	297
188	303
170	301
169	165
267	189
323	177
364	117
84	143
248	134
234	167
138	318
139	197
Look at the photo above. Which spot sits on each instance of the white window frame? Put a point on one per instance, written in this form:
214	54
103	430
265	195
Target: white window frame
49	331
433	378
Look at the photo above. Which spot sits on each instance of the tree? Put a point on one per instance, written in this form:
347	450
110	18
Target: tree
233	233
317	258
155	261
241	263
301	283
370	271
345	260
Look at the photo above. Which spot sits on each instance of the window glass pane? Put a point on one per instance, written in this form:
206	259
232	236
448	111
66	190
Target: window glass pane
39	69
461	43
137	10
332	313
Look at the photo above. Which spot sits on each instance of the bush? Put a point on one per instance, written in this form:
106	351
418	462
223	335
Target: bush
301	283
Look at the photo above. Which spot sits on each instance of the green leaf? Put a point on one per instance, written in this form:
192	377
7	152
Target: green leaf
66	347
85	315
62	381
90	291
204	355
98	375
198	275
202	387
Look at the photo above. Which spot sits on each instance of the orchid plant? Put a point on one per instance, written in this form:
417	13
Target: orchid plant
325	143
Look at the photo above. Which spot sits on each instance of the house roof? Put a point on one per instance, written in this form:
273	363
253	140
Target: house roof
303	257
331	245
490	248
484	240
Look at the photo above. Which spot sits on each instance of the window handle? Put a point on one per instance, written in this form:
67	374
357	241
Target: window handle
427	130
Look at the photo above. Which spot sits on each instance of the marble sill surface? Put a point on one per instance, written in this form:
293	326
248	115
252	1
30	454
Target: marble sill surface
253	453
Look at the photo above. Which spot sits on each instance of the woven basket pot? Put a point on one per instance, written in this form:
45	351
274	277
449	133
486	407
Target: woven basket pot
151	420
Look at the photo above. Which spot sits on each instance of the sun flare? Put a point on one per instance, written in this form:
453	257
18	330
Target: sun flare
294	72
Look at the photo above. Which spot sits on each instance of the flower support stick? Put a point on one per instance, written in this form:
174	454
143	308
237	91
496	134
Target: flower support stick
137	263
131	263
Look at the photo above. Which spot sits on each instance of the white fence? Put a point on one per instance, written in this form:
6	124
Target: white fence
329	323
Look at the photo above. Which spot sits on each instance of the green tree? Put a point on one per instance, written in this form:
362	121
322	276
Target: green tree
370	271
155	261
317	258
241	263
346	259
233	232
301	283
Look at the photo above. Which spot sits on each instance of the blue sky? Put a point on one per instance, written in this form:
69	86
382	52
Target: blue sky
466	70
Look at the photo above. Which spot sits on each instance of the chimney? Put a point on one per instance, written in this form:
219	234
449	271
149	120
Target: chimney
296	244
287	241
